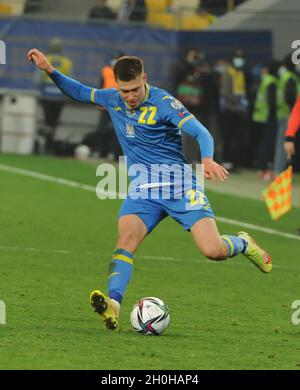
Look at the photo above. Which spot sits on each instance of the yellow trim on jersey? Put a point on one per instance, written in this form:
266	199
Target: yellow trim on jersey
93	95
147	93
182	122
230	244
122	258
167	97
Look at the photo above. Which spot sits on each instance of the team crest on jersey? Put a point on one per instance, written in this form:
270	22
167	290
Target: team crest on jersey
130	131
176	104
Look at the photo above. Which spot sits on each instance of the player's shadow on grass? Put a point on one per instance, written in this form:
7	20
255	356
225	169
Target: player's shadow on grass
167	334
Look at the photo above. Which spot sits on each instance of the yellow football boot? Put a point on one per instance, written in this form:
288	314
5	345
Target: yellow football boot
106	308
260	258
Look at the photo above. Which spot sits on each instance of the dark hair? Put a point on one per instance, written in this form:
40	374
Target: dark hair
128	68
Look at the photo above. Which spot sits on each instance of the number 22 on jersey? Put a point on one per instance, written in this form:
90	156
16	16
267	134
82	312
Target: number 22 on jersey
147	115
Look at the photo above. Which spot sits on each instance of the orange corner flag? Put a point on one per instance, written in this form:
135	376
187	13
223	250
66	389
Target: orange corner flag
278	195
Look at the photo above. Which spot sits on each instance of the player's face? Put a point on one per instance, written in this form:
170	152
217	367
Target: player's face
133	91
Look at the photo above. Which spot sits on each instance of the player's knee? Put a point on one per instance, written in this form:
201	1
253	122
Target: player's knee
126	239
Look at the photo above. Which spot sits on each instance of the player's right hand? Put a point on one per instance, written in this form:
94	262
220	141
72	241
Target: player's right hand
40	60
289	148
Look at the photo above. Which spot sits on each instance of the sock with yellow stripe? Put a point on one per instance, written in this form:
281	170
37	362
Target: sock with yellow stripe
119	274
234	244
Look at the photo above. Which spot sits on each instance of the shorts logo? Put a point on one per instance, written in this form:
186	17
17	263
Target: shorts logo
130	131
176	104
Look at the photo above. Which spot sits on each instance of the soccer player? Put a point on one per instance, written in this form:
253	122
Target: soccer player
148	122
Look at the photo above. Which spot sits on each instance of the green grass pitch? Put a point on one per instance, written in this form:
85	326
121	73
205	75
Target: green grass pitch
55	245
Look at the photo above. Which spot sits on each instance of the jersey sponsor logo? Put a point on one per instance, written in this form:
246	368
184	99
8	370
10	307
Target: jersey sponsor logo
130	131
177	104
117	108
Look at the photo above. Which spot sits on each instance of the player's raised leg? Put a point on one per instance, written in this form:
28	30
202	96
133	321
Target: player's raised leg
132	231
216	247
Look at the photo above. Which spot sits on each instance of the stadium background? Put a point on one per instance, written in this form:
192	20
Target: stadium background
56	238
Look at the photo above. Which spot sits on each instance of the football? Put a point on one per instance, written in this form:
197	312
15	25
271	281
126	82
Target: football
82	152
150	316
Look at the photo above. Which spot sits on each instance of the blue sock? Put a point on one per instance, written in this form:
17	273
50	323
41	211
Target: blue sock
119	274
234	244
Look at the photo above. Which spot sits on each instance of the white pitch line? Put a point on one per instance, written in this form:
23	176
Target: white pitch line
85	187
258	228
52	179
18	248
156	258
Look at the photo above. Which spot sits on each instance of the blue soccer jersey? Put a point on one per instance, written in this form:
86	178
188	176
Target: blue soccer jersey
150	135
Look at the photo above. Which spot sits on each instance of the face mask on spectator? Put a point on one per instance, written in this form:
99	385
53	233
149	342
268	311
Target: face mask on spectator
238	62
281	70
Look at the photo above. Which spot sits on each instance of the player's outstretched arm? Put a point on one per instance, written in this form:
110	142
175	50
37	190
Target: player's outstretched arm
39	59
212	170
67	85
173	111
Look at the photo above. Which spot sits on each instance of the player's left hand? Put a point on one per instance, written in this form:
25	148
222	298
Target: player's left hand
214	171
289	148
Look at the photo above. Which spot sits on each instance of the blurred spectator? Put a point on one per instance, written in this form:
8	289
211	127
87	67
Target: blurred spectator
206	16
219	69
287	91
234	108
218	7
32	6
101	11
52	99
255	131
132	10
265	118
194	90
104	140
